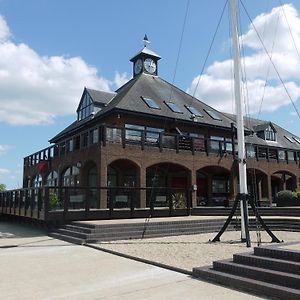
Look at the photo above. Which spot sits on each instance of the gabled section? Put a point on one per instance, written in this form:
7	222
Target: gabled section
91	102
266	131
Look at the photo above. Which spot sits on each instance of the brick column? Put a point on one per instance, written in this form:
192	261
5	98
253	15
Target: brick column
269	189
103	183
142	184
194	182
209	188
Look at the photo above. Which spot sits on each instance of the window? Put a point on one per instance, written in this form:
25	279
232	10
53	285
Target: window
289	139
151	103
270	134
173	107
250	151
296	139
220	185
134	132
281	154
38	181
214	115
52	179
218	143
194	111
71	177
86	108
291	155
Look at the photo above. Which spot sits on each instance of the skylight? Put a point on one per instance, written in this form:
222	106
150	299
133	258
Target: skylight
289	139
213	115
151	103
173	107
296	139
194	111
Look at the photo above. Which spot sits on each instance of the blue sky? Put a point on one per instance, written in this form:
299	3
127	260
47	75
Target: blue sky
50	50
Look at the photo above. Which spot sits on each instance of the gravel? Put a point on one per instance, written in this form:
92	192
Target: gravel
189	251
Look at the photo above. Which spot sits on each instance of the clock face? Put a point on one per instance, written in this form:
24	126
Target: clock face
138	66
150	65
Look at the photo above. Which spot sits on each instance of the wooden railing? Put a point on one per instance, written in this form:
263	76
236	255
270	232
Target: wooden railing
105	135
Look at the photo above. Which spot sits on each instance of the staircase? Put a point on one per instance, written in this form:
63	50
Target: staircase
269	272
84	232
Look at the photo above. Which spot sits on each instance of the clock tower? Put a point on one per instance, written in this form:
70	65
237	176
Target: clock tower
145	61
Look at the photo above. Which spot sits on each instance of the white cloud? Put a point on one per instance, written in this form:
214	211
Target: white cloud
35	89
4	149
4	30
216	85
120	79
4	171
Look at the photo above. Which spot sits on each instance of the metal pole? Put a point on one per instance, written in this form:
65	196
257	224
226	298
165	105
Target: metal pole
240	121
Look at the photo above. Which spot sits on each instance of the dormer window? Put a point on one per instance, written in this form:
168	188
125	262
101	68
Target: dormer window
86	107
270	134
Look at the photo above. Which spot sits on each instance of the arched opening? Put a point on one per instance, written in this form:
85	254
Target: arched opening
122	178
282	180
169	182
257	184
70	177
52	179
213	186
92	183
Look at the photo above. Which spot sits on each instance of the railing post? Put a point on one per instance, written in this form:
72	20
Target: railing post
177	143
268	154
104	135
132	202
87	202
143	138
160	142
66	203
207	145
46	203
123	137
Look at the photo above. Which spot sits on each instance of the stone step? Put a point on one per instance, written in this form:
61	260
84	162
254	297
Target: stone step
257	273
278	253
247	284
66	238
268	263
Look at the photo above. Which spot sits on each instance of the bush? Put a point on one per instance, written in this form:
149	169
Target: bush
179	200
287	198
285	195
297	193
53	197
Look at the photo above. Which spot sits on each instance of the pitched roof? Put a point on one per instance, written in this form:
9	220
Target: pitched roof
148	52
129	98
100	97
281	134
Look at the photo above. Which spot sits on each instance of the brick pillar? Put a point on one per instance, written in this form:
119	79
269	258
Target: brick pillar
283	181
194	193
269	189
142	182
103	183
209	188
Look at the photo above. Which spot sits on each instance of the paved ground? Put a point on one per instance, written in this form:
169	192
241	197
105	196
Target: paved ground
34	266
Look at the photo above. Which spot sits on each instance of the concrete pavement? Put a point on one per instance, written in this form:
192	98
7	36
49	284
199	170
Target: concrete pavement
34	266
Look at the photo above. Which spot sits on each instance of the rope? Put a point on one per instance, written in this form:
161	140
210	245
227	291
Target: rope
270	58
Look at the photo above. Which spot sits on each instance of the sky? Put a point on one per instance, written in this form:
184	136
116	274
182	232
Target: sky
51	49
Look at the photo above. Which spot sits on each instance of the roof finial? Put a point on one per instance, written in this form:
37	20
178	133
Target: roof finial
146	41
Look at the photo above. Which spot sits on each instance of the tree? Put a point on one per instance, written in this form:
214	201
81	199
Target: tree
2	187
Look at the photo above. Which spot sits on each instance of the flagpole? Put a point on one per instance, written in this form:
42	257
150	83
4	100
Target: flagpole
243	191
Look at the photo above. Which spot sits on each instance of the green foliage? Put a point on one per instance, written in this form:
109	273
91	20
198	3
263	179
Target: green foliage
179	200
297	193
285	195
2	187
53	199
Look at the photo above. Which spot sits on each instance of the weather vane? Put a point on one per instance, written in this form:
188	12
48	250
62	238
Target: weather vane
146	41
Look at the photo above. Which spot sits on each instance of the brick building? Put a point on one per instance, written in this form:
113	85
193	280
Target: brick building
149	133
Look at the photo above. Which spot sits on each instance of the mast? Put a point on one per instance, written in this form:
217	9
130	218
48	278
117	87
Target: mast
240	124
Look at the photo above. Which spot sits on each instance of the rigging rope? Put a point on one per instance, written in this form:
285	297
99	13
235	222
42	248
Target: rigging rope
276	70
209	49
